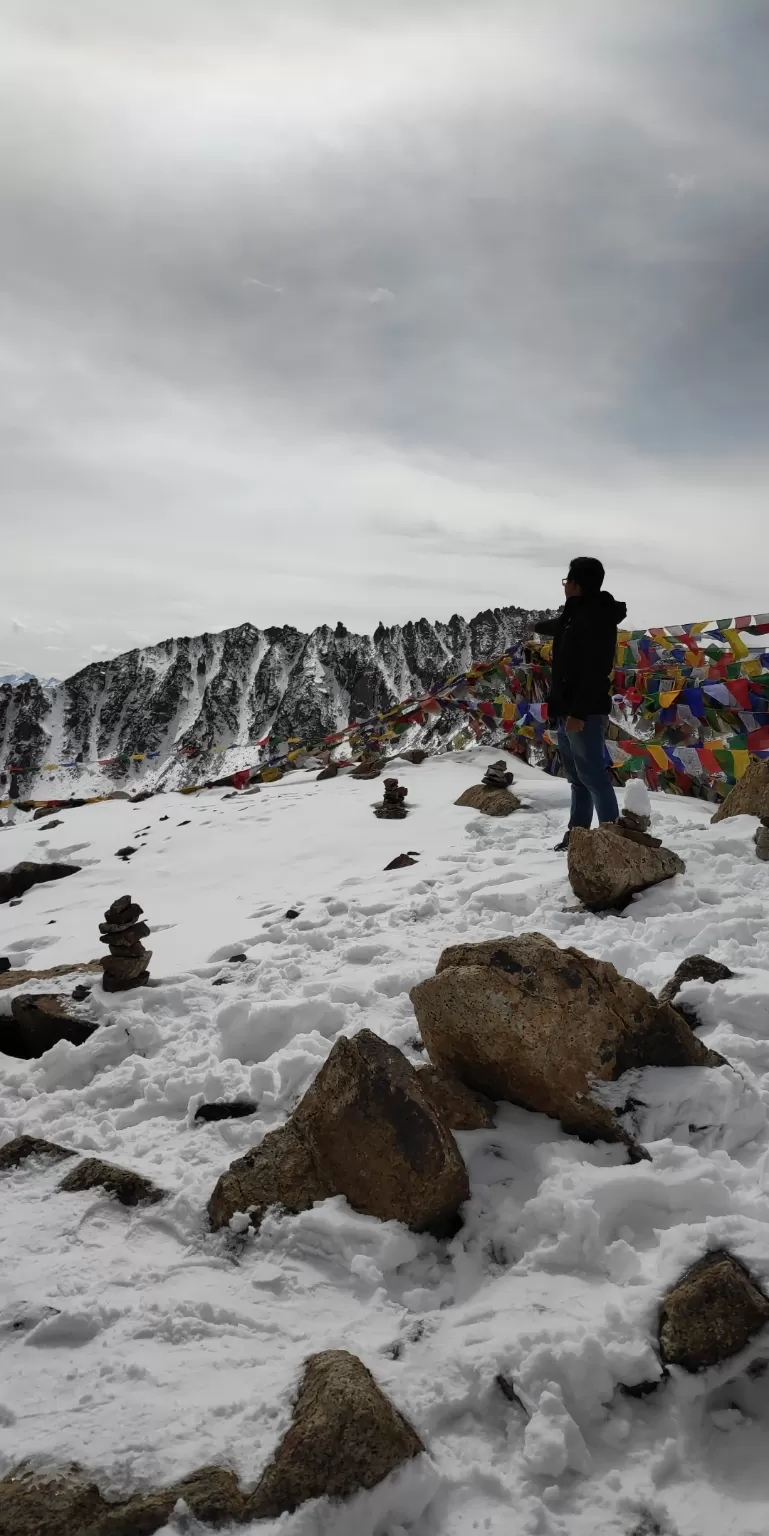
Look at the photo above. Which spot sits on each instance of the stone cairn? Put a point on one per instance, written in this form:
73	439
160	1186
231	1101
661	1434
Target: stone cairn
636	828
497	775
762	839
127	963
392	807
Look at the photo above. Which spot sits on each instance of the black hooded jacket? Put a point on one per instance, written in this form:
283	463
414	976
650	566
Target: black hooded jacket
584	646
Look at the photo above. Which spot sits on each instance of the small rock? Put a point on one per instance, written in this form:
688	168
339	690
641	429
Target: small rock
712	1313
80	993
403	861
128	1187
14	1153
291	914
237	959
236	1110
48	826
694	968
750	795
606	868
38	1022
368	768
365	1129
460	1108
184	823
416	755
125	853
491	802
345	1435
5	964
330	772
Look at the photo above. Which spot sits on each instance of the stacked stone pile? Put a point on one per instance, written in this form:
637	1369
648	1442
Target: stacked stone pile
497	775
127	964
392	806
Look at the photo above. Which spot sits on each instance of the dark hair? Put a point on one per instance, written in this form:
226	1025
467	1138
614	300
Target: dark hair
588	574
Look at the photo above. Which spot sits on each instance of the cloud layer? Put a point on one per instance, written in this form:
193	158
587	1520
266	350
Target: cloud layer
335	310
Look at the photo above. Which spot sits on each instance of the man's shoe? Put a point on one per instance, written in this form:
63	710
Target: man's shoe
562	847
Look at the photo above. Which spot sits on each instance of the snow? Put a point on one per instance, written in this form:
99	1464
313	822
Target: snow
143	1346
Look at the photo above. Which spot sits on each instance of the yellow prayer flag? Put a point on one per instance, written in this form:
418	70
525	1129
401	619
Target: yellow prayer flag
736	645
658	755
741	761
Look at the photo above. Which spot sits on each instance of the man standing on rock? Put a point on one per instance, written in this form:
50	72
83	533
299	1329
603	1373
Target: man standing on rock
584	647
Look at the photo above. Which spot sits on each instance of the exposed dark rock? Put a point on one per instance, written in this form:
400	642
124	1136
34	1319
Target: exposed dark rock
345	1435
64	1503
5	964
125	853
523	1020
402	861
365	1129
80	993
607	868
128	1187
498	775
712	1313
329	772
291	914
237	1109
15	1152
368	768
416	755
460	1107
14	882
750	795
491	802
694	968
38	1022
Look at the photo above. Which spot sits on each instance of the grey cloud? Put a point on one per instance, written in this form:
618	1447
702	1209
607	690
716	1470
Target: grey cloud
263	290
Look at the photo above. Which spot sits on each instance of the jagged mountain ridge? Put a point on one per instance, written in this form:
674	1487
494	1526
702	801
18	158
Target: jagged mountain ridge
232	688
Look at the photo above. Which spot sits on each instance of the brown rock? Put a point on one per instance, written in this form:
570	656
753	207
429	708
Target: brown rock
23	876
330	772
63	1503
368	768
345	1435
127	918
126	967
606	868
750	795
460	1108
280	1171
126	940
14	1153
116	984
522	1020
392	806
365	1129
15	978
416	755
694	968
38	1022
492	802
762	841
402	861
712	1313
129	1188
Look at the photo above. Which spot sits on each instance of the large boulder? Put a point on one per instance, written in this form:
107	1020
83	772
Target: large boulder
14	978
712	1313
606	868
522	1020
492	802
365	1129
460	1107
14	1153
38	1022
345	1435
23	876
128	1187
64	1503
750	795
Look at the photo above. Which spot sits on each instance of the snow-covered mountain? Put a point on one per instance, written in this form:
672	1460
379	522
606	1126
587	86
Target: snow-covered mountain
234	687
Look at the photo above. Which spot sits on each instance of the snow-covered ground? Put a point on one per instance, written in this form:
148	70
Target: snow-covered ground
151	1346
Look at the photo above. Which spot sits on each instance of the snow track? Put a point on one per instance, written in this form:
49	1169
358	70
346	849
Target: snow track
142	1346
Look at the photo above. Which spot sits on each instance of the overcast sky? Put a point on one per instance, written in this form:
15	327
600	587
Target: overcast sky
369	309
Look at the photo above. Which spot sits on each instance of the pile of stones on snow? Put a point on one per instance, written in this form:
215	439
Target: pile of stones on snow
392	806
127	964
493	796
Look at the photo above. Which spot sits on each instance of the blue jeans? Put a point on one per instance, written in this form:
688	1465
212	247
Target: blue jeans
582	755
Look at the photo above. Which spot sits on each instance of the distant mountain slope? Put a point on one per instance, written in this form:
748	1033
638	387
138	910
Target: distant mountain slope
231	688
